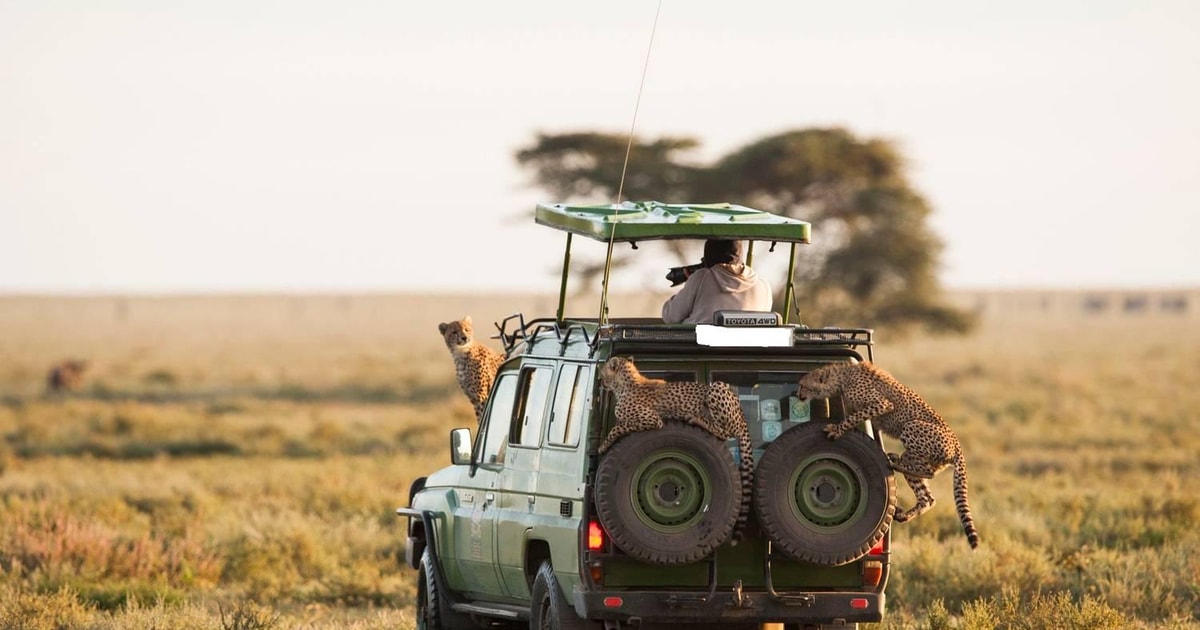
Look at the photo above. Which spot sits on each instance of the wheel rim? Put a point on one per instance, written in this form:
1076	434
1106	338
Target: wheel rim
670	491
826	493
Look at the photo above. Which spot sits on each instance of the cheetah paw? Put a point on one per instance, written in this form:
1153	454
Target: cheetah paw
833	431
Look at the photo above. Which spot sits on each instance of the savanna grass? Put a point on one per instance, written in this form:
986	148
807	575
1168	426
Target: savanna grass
235	462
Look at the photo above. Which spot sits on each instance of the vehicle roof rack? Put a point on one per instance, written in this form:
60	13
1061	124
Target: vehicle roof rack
639	331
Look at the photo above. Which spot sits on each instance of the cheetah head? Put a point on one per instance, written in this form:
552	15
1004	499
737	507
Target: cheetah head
819	383
616	372
457	334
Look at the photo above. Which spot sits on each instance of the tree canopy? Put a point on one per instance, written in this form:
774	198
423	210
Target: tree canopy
874	258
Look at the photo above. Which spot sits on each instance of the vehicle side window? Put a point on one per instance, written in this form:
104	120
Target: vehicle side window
500	410
570	402
526	429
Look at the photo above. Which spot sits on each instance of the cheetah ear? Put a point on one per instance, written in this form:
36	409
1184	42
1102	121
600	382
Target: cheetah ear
467	319
442	328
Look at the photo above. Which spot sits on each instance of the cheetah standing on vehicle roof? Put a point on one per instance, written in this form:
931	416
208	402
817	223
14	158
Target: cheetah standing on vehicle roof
870	393
475	364
643	403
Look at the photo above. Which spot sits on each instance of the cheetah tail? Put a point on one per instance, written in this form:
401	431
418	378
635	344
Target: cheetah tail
746	473
960	500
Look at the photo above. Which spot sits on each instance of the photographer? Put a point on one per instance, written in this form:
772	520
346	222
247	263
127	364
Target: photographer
721	282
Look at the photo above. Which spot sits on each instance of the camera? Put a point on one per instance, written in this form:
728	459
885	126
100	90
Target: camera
679	275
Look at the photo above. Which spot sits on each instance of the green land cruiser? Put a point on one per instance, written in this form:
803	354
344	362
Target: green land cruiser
522	528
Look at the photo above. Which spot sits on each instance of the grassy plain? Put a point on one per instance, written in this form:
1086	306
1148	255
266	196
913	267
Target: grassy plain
233	462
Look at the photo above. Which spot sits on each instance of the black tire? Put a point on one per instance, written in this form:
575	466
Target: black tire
548	605
824	501
433	610
669	495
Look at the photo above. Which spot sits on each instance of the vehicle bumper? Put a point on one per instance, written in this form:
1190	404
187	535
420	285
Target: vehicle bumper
683	607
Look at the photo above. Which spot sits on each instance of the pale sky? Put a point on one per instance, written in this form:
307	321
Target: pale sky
181	146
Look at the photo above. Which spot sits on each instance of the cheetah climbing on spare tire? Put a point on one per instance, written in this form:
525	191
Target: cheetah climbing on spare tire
643	403
870	393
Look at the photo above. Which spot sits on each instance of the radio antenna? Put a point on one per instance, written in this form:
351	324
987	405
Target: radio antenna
638	103
624	167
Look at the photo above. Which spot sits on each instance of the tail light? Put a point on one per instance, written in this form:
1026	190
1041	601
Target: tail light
595	543
595	536
872	570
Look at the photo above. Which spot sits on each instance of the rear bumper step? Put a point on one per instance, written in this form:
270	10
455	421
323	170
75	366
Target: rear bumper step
682	606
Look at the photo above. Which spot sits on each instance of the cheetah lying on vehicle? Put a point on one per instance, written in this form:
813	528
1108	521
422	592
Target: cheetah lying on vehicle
643	403
870	393
475	364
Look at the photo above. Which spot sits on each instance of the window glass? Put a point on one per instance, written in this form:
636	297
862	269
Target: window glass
527	422
672	376
570	402
500	409
767	396
770	403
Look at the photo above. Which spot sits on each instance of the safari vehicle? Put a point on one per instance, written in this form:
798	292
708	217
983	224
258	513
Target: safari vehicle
530	525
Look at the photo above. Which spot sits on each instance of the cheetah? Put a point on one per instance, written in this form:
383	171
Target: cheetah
643	403
870	393
66	375
475	364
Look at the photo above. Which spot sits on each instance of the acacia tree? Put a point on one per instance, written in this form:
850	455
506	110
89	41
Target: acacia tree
873	258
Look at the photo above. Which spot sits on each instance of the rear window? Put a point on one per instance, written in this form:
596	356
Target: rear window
769	401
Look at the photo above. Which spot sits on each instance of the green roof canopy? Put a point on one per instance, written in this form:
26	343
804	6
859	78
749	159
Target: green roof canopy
653	220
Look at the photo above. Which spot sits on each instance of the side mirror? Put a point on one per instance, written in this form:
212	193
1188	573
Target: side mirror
460	447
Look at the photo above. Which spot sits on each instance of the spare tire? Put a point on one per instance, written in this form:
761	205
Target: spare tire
669	495
821	500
